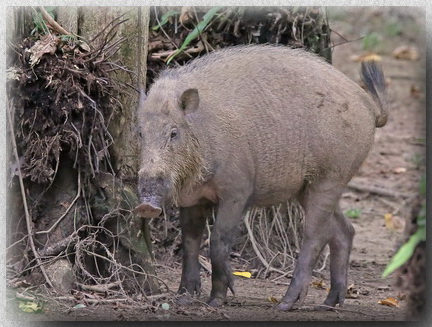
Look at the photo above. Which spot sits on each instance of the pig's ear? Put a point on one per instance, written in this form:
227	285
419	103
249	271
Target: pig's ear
189	101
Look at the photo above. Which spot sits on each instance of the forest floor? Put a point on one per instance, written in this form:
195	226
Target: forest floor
395	163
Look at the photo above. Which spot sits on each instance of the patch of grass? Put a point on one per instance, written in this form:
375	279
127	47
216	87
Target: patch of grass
371	41
417	160
393	28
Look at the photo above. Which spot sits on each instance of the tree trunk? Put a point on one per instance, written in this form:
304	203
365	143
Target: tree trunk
85	216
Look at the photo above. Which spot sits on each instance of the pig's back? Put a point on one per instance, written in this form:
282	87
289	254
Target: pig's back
286	114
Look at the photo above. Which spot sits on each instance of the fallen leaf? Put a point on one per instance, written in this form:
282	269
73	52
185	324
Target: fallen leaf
390	301
394	223
319	284
273	299
29	307
245	274
405	52
186	15
352	292
47	44
415	92
399	170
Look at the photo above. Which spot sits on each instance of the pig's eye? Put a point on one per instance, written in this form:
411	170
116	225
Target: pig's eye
174	133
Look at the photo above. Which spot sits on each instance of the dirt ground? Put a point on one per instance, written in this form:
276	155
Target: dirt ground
395	163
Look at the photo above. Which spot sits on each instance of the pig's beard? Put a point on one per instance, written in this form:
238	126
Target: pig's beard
187	169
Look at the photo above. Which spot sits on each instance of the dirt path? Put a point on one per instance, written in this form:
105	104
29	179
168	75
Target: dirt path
393	164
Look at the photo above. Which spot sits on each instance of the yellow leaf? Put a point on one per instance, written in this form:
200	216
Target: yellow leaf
319	284
390	301
29	307
245	274
394	223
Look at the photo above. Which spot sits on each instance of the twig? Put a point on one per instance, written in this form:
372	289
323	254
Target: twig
24	198
254	245
55	26
67	210
377	190
99	288
60	246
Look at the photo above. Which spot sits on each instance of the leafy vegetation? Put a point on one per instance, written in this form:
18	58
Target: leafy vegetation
406	251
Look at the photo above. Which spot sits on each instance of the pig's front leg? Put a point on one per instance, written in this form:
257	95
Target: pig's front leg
192	222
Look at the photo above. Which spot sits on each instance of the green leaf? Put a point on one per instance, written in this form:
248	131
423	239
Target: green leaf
405	251
164	19
353	213
196	31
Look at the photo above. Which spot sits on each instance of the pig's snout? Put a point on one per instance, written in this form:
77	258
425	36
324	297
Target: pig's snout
148	209
150	193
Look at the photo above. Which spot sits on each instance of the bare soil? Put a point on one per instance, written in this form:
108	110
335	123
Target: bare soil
398	145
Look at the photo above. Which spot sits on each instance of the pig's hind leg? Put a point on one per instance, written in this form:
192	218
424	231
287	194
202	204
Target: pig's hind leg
340	249
319	201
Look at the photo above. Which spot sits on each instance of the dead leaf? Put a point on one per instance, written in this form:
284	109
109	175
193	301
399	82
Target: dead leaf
399	170
394	223
186	14
319	284
406	52
47	44
415	92
390	301
273	299
352	292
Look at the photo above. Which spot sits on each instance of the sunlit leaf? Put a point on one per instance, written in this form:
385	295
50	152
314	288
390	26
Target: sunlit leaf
273	299
245	274
390	301
29	307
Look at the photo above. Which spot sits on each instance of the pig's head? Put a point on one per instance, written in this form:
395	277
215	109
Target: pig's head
171	160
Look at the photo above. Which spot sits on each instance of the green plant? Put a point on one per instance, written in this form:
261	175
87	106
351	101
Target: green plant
39	23
370	41
164	19
406	251
417	160
393	28
202	25
353	213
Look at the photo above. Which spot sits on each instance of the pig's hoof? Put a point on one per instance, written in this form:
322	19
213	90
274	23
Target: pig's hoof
215	302
184	299
283	306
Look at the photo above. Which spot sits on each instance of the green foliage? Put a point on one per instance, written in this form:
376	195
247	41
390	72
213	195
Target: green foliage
393	28
40	24
417	160
202	25
164	19
406	250
371	41
353	213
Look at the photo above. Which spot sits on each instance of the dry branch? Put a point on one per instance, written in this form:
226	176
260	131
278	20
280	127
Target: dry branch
56	26
377	190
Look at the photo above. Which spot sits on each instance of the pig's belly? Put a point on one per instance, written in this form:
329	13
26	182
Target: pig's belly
267	194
